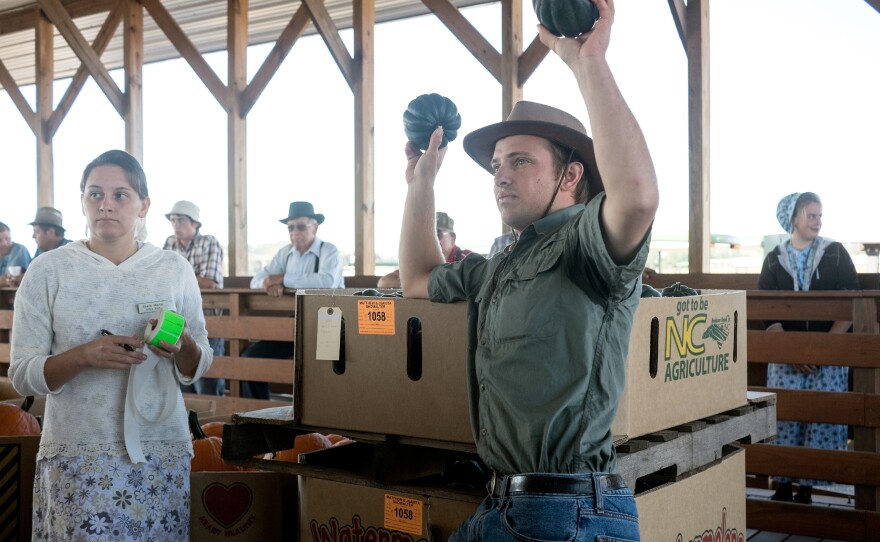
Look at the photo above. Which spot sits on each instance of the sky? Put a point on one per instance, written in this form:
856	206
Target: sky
794	107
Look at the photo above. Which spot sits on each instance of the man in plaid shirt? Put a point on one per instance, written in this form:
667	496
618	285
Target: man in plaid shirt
205	254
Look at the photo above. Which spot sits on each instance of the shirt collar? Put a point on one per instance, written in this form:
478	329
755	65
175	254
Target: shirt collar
554	220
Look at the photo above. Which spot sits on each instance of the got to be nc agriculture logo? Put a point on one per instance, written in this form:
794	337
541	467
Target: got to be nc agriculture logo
688	333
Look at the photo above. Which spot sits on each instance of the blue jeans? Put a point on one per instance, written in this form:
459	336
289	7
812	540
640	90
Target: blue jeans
608	515
209	386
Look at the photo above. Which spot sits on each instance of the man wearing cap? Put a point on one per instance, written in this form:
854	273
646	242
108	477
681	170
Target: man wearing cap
451	251
549	319
12	255
48	230
205	255
307	262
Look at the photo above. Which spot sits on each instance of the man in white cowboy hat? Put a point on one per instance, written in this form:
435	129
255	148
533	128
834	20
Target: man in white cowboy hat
552	314
48	230
307	262
205	255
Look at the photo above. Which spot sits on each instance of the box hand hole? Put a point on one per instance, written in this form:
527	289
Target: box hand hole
414	349
339	365
653	350
735	333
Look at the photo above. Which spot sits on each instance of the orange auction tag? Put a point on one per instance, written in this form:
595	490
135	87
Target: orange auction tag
375	317
403	514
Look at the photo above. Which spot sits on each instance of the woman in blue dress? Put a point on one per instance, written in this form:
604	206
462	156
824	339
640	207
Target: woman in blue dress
805	262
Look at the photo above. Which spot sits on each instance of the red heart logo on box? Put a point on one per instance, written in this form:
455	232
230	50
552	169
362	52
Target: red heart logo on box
227	504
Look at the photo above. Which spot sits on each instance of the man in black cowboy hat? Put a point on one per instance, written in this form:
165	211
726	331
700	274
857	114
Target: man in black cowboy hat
307	262
550	317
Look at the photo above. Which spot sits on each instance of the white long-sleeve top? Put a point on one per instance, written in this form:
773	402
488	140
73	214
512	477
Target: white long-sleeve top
67	296
319	267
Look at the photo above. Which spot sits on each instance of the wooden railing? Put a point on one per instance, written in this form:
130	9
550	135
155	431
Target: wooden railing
248	315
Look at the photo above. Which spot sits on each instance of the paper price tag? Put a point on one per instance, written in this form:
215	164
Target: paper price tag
329	332
376	317
403	514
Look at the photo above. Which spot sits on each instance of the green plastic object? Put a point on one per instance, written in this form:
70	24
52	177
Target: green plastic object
568	18
424	114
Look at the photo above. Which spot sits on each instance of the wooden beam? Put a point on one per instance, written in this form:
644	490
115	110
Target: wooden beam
21	103
236	123
815	522
44	76
364	149
468	35
102	40
23	19
860	468
698	134
815	348
133	60
187	50
874	4
59	16
866	439
276	56
529	61
511	49
679	17
327	28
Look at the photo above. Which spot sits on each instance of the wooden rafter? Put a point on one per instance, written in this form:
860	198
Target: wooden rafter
874	4
469	36
65	25
187	50
698	134
102	40
327	28
531	58
236	134
133	61
276	56
679	18
11	87
364	147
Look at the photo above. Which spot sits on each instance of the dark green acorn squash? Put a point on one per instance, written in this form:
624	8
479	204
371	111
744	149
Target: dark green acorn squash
424	114
650	291
569	18
678	290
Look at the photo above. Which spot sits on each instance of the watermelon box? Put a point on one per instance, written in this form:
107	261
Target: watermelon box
242	506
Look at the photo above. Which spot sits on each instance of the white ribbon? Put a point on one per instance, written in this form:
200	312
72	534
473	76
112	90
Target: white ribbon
138	378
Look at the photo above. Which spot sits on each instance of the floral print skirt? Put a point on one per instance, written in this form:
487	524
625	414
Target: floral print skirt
107	498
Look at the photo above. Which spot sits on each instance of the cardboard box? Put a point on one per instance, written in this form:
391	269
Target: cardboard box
706	505
18	460
396	380
335	511
687	360
242	506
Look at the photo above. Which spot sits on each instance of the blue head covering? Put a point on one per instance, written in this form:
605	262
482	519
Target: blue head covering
785	211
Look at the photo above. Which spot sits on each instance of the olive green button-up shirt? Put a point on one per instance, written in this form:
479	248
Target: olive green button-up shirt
548	333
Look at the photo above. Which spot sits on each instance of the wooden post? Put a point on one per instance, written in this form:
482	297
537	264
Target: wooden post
511	49
133	60
237	137
698	134
45	71
867	439
364	112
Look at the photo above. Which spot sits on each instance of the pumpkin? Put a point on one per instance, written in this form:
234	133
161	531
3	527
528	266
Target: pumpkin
678	290
650	291
213	429
308	442
425	113
568	18
207	449
14	421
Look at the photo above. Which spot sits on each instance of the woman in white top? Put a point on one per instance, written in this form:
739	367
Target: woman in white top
114	456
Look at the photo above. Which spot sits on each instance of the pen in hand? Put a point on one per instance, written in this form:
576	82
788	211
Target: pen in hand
128	347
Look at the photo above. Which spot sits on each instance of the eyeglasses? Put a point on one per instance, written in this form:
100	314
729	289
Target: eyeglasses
298	227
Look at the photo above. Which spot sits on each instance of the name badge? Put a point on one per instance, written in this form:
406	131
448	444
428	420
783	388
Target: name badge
151	306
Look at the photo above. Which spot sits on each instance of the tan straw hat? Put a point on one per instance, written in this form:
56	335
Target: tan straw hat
530	118
185	208
47	216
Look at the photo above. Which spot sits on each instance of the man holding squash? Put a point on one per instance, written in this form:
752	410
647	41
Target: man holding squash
549	318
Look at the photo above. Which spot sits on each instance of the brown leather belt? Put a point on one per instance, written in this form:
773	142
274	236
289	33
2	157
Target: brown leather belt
498	486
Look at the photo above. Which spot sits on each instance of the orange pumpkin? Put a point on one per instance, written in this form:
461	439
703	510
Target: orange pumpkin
303	444
334	438
15	421
213	429
207	449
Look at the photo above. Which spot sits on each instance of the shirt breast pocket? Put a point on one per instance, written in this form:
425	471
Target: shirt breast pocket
528	299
